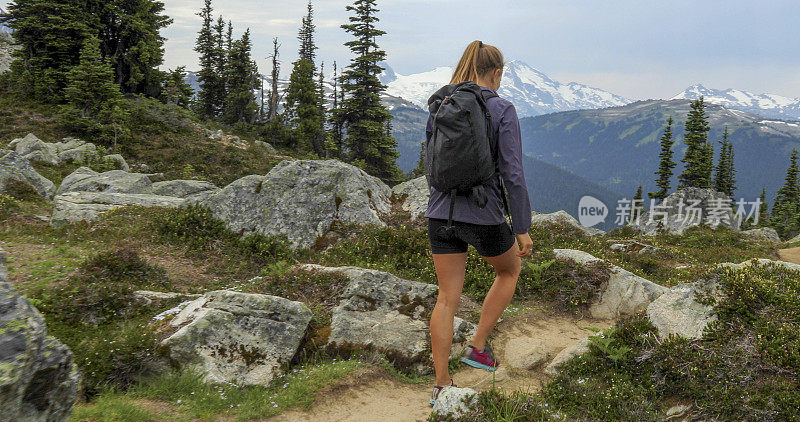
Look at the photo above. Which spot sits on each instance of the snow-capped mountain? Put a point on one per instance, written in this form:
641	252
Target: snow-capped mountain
767	105
532	92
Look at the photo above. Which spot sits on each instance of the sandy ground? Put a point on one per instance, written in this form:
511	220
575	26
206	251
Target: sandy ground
790	255
372	396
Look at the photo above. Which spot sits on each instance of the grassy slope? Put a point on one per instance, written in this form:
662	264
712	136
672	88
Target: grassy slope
44	260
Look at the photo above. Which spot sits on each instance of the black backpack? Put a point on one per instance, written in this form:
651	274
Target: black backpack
461	155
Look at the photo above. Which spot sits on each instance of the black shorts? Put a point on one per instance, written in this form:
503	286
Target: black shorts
488	240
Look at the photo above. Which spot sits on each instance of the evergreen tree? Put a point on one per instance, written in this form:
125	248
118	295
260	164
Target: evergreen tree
725	177
210	81
370	145
763	209
637	207
50	34
220	64
785	218
699	152
93	99
665	165
303	101
336	127
274	97
129	32
175	89
241	79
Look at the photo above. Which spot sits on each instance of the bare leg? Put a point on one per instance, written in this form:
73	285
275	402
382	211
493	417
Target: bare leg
450	269
507	267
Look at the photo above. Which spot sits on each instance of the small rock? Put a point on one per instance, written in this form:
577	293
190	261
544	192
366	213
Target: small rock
563	217
267	146
760	261
454	401
576	349
148	297
763	234
118	160
677	411
525	353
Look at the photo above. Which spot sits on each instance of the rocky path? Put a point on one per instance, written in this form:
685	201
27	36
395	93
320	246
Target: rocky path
790	255
372	396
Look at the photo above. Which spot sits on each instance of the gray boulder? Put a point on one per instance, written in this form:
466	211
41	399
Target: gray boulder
763	234
72	149
118	161
88	206
192	190
34	149
687	208
301	199
413	196
624	294
379	311
677	312
633	246
795	239
85	179
454	401
69	149
238	338
15	168
563	218
39	380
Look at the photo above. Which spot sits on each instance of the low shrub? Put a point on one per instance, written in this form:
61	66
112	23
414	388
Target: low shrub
102	289
194	224
8	206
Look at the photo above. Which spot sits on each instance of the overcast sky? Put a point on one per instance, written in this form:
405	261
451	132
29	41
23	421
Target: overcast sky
635	48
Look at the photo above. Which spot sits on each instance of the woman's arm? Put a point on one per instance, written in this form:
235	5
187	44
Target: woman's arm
509	162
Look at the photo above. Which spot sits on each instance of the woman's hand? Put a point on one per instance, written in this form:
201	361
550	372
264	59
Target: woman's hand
525	245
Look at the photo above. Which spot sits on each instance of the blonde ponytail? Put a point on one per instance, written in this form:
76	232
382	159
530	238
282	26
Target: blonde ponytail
478	60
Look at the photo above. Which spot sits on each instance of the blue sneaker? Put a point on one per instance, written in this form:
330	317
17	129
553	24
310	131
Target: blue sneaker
483	359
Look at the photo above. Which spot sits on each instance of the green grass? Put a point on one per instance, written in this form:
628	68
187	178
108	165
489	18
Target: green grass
114	408
188	397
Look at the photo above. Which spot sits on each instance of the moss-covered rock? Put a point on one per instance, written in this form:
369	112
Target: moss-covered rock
38	379
239	338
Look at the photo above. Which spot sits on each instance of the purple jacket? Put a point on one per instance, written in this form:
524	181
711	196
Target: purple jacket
506	124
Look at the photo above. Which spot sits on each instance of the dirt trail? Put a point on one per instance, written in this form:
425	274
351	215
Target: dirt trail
371	396
790	255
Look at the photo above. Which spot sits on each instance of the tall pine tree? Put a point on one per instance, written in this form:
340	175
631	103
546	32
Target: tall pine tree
208	98
93	99
303	101
725	176
699	152
241	80
370	145
785	216
274	96
665	165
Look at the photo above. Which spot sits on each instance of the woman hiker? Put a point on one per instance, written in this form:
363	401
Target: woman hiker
486	229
